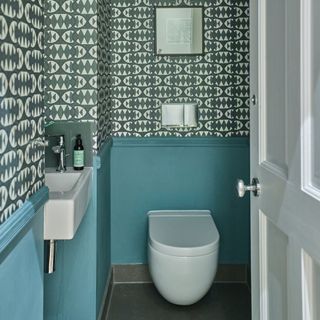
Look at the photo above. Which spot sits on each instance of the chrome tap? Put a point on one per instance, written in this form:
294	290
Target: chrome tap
61	151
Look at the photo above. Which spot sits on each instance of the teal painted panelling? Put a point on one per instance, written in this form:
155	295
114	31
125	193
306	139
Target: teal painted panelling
103	221
75	290
178	173
22	217
21	273
21	103
70	292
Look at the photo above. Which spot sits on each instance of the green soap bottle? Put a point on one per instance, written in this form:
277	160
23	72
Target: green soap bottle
78	154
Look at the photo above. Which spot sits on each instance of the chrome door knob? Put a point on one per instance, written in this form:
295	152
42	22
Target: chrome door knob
254	187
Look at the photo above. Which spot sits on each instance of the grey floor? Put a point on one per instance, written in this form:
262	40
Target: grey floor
225	301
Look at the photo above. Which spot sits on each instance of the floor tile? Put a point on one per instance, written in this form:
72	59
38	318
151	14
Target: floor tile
224	301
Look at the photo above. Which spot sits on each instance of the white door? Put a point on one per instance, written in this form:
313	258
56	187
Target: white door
285	157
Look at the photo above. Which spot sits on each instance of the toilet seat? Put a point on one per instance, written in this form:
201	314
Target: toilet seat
183	233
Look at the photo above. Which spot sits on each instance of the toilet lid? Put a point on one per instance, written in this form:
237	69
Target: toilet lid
183	233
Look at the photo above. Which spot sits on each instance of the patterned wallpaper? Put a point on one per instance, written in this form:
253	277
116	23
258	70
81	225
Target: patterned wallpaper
217	80
82	86
21	103
70	59
76	63
104	124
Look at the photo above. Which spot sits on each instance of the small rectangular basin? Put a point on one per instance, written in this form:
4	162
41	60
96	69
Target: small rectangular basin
69	196
61	182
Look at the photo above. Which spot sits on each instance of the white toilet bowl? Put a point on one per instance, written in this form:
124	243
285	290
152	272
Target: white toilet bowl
183	254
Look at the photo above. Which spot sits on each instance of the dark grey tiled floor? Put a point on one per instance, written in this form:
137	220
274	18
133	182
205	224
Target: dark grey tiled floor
224	301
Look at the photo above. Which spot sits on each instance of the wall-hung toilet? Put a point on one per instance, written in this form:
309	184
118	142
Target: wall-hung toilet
183	254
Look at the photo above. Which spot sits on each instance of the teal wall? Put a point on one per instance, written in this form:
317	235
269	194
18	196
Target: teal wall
70	291
21	261
76	289
103	222
178	173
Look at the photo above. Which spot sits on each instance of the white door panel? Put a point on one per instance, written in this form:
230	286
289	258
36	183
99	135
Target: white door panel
311	287
273	280
272	42
310	92
285	156
256	302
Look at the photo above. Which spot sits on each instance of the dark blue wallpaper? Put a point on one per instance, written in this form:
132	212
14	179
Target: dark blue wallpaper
21	102
218	80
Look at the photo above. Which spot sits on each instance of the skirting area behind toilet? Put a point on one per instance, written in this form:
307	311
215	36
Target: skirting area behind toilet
138	274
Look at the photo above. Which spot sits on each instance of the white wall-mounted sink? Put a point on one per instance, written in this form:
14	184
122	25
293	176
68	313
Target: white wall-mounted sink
69	196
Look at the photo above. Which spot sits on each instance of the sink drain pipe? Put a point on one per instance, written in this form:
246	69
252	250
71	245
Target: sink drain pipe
50	254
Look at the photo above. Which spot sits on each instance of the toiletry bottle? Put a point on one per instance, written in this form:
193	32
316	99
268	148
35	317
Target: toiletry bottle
78	154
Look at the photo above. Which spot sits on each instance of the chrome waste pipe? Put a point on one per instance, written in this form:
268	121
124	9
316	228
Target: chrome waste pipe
50	254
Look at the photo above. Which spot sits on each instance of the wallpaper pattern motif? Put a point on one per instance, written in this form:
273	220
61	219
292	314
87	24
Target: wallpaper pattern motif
217	80
77	79
104	125
70	60
21	103
82	87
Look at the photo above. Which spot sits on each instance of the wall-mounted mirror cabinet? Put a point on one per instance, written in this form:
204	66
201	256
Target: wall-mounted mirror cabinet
179	30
